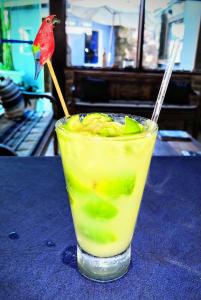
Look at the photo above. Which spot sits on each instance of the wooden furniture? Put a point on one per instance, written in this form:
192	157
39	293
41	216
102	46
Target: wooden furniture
30	135
177	147
136	93
180	147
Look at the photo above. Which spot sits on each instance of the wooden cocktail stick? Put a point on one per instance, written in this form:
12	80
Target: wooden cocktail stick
56	84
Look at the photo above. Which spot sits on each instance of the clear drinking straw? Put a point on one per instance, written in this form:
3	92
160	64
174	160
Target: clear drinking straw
165	81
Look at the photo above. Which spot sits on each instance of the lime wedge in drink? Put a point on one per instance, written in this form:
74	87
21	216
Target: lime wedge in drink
116	186
100	117
96	234
132	126
103	125
99	209
73	124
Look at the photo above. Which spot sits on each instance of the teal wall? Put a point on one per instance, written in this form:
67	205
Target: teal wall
28	18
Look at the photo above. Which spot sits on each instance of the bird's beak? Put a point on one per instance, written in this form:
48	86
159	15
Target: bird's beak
37	69
55	21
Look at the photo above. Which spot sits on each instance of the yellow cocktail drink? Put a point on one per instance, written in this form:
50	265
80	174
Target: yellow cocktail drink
105	160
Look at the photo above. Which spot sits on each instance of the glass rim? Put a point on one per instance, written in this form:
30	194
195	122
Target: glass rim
152	129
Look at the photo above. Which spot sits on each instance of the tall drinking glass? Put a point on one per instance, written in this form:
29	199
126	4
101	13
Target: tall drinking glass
105	178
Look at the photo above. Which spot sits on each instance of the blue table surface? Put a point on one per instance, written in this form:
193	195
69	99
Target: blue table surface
41	262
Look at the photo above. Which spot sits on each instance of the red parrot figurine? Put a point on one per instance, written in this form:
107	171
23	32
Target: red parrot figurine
43	45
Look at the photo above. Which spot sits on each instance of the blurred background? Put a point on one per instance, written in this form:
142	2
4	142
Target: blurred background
110	37
101	34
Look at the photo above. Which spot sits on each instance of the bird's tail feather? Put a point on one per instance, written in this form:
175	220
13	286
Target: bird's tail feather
37	69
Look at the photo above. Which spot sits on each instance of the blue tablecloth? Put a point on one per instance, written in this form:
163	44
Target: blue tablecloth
166	249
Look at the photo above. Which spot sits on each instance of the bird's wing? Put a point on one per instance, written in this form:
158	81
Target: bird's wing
36	51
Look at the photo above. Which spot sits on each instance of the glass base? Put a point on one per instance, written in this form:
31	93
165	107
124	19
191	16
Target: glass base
103	269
